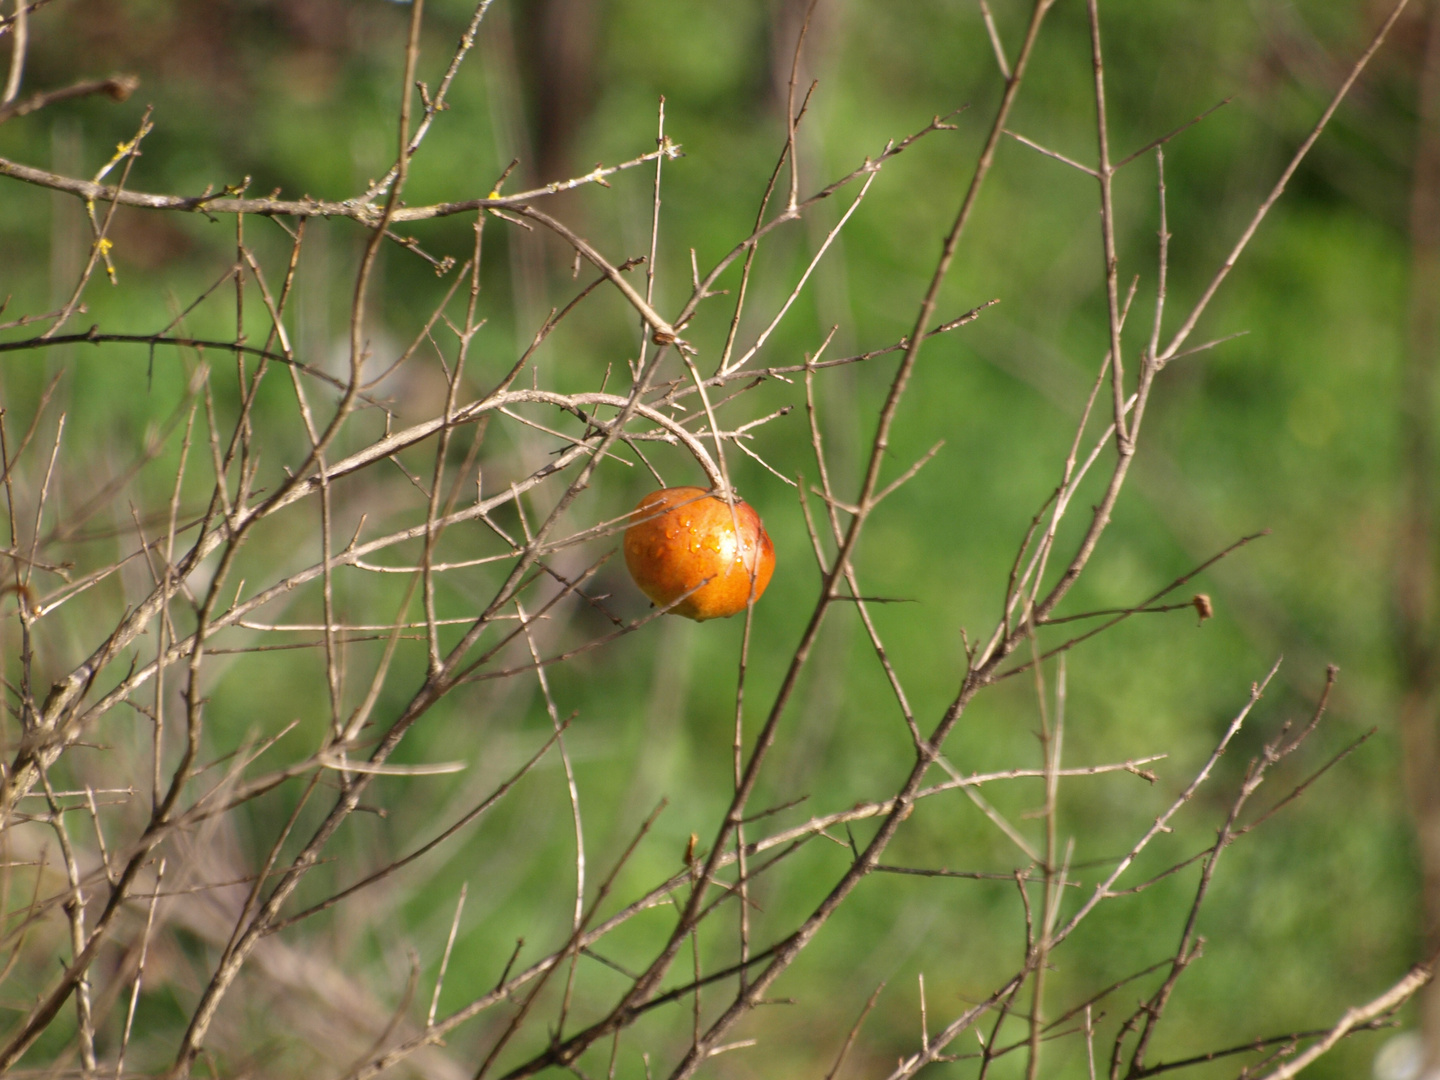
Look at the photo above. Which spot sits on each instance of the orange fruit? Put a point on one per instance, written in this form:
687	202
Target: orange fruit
684	538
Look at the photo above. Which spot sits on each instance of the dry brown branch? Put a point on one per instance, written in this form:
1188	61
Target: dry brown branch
1358	1016
116	88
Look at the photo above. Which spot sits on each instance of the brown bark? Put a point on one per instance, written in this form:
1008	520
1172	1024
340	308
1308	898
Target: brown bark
1419	548
559	45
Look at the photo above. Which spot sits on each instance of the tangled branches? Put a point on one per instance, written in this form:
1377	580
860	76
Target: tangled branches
427	565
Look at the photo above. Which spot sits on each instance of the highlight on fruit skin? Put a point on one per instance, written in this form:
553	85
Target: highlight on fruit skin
683	536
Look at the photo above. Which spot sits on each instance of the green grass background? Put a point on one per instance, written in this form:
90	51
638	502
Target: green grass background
1289	428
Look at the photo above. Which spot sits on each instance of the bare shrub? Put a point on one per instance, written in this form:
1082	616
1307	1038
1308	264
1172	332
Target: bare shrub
277	656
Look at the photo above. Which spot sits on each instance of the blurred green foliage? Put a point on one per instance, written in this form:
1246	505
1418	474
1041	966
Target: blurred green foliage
1289	428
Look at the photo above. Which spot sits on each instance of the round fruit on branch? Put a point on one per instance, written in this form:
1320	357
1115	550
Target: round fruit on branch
683	540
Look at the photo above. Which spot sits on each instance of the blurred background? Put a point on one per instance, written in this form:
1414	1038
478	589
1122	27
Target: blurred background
1316	424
